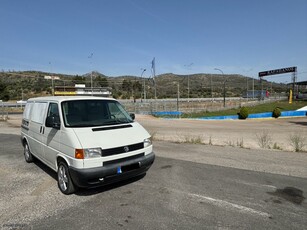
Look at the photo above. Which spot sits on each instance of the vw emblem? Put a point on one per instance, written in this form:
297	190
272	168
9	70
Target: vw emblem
126	149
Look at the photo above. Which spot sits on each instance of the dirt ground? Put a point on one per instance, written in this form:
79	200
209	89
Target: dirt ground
237	133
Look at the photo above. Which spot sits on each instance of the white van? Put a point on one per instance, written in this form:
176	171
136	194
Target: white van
88	141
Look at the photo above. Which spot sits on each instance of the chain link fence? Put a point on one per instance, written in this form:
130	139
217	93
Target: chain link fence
191	105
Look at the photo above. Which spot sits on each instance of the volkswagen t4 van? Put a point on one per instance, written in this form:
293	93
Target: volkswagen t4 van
88	141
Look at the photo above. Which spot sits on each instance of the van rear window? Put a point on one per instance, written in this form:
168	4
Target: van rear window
27	111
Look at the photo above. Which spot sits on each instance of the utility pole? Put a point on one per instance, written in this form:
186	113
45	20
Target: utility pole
91	62
224	87
52	83
253	89
211	87
189	68
143	70
178	96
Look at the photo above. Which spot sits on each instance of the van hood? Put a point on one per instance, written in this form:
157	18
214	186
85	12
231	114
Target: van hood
113	136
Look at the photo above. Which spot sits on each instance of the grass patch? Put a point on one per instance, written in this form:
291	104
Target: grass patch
262	108
193	140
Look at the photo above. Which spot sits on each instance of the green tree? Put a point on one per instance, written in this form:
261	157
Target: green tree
101	81
127	85
78	80
4	93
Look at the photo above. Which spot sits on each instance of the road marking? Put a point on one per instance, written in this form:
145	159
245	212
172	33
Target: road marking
229	205
256	185
217	202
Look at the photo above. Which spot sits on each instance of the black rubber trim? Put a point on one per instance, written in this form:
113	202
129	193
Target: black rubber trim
122	149
111	127
91	177
118	161
25	127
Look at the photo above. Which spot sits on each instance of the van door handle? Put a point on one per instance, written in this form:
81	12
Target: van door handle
42	130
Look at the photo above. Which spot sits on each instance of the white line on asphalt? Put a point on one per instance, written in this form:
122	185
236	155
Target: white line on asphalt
218	202
256	185
229	205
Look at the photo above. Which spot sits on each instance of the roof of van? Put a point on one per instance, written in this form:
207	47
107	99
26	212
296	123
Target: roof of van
68	98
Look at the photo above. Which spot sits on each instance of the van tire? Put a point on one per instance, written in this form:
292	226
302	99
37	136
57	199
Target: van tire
27	153
65	183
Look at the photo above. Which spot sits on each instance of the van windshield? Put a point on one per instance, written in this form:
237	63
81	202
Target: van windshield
89	113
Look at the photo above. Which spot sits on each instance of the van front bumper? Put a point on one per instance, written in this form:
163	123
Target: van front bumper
113	172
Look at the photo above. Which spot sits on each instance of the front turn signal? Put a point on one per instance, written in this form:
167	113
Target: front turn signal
79	154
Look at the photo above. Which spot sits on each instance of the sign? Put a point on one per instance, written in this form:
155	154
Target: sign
277	71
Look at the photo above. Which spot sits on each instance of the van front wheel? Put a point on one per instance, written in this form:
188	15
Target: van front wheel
28	155
64	180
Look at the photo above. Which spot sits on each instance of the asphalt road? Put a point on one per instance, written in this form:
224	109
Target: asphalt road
177	193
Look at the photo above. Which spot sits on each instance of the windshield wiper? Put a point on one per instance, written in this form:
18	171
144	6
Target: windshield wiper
115	122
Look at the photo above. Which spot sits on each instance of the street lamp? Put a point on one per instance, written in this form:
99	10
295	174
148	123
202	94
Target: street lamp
189	68
52	83
143	70
224	91
90	57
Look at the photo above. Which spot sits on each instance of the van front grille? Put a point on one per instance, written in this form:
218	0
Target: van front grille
121	160
122	149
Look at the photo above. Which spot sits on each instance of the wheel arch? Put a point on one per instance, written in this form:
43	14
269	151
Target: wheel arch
59	159
24	140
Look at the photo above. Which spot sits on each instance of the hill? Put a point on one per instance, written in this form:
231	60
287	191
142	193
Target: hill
25	84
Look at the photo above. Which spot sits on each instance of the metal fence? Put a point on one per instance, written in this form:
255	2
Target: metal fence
151	106
3	111
191	105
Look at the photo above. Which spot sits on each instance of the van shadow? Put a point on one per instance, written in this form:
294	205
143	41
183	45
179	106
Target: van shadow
46	169
108	187
303	123
90	191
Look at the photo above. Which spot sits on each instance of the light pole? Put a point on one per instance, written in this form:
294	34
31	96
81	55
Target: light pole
143	70
211	87
224	91
90	57
189	68
52	83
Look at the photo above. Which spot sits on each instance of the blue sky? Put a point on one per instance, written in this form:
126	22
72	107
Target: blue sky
236	36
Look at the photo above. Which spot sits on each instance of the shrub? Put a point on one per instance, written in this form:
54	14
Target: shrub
297	141
243	114
264	139
276	112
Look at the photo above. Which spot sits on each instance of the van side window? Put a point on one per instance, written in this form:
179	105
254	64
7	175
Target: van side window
53	110
38	112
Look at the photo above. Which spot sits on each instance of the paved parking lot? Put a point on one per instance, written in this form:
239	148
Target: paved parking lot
188	187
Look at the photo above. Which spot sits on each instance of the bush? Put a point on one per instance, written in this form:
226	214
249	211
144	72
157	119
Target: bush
276	112
243	114
264	139
298	141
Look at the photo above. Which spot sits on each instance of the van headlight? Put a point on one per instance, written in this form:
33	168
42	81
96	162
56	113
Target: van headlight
87	153
147	142
92	152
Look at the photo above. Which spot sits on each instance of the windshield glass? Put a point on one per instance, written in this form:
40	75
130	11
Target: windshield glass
89	113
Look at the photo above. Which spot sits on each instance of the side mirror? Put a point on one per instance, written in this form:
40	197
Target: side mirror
132	115
54	122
